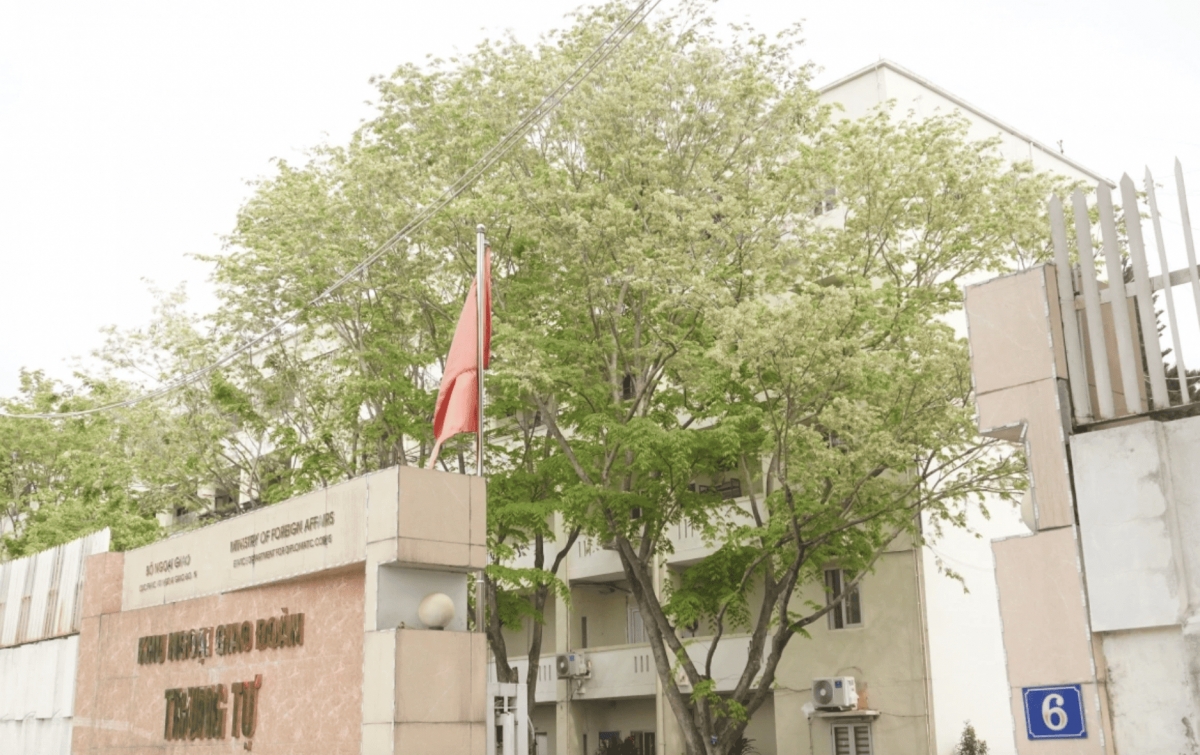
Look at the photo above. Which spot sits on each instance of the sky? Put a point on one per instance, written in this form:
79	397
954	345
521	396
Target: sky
130	131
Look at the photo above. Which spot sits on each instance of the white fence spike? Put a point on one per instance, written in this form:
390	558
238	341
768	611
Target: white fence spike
1130	384
1159	395
1076	367
1091	297
1092	368
1168	295
1186	218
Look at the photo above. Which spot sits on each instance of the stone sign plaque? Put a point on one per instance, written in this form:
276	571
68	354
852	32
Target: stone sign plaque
305	535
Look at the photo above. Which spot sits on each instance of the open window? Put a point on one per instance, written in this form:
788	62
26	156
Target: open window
848	613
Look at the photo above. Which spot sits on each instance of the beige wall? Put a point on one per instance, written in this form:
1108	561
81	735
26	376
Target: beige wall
543	720
517	640
606	609
1017	362
762	727
886	656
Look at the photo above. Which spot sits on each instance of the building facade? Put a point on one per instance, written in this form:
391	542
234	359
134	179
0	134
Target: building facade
926	655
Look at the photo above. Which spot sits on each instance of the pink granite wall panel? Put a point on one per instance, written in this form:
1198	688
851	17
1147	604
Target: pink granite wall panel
310	701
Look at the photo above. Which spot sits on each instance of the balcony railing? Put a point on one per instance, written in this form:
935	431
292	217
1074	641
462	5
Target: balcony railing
625	671
688	541
546	676
591	561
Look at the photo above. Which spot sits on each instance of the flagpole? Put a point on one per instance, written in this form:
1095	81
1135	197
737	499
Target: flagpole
480	244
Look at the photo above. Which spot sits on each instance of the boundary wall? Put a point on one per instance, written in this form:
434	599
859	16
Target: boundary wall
40	615
295	629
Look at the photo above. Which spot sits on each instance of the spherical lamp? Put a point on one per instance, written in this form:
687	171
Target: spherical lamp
436	610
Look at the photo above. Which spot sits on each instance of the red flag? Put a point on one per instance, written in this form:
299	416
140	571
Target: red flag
457	407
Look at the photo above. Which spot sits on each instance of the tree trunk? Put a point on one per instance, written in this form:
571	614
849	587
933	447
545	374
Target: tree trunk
535	657
505	673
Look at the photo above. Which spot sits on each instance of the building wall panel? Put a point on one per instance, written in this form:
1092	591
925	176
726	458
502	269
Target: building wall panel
1122	479
39	594
37	696
1153	704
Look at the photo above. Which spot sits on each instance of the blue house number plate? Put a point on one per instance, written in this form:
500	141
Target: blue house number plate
1054	712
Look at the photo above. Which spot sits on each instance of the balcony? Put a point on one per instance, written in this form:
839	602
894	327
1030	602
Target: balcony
627	671
547	677
590	561
688	539
728	662
524	557
618	671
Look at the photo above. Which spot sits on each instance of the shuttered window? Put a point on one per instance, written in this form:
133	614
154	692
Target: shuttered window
852	739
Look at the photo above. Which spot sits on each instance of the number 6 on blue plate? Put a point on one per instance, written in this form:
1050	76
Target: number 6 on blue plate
1054	712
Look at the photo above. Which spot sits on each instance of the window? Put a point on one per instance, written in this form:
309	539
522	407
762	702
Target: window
643	742
825	203
728	489
852	739
583	632
849	612
635	630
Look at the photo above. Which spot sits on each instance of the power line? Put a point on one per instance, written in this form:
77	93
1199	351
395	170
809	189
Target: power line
601	53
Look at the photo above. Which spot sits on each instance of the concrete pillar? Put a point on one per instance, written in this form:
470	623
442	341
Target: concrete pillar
423	690
669	735
568	729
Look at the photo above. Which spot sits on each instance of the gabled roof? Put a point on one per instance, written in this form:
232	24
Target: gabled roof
960	102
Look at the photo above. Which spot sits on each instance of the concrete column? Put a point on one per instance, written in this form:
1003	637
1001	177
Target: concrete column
423	690
568	729
668	733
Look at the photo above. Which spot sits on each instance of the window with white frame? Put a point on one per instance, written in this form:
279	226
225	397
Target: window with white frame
847	613
852	739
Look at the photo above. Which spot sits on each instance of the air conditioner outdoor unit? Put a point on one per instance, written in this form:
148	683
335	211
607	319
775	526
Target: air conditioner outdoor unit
835	693
571	666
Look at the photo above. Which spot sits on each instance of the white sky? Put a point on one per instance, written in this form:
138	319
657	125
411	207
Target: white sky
128	130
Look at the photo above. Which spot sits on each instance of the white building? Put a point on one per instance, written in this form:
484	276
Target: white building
883	82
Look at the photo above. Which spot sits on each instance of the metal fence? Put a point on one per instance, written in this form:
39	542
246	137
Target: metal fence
40	595
1100	318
